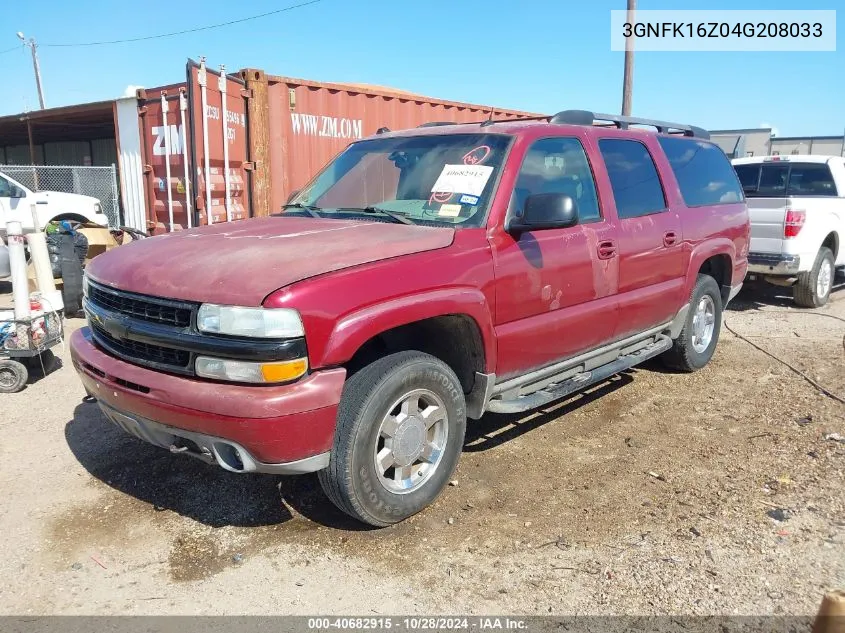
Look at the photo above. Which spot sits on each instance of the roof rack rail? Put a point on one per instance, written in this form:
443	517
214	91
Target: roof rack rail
437	123
585	117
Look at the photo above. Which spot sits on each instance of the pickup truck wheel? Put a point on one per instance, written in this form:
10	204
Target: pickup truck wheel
812	289
400	432
697	341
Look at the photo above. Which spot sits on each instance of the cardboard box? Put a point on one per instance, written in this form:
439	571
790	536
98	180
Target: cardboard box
99	239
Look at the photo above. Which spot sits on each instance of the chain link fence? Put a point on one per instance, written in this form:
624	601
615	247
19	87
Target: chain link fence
97	182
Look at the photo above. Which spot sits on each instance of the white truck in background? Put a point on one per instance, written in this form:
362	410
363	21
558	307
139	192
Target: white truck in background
16	205
796	205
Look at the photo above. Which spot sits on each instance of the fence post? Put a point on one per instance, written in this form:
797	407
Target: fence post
114	197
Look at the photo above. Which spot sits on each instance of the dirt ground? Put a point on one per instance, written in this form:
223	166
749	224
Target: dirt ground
655	493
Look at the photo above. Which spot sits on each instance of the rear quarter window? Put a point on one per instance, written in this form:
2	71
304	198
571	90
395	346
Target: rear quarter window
704	174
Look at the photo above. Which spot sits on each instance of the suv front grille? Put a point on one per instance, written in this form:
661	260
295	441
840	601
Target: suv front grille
140	307
166	358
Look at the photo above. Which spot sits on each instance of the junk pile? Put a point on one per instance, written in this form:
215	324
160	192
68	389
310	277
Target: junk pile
45	290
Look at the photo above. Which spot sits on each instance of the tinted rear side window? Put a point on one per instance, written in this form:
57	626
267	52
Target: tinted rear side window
810	179
703	172
781	179
633	178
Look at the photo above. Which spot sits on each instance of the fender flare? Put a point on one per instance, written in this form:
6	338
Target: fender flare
352	330
703	252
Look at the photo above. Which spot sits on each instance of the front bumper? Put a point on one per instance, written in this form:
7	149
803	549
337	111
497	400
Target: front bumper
243	428
773	263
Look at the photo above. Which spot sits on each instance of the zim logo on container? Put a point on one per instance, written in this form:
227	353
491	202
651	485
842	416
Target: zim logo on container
175	140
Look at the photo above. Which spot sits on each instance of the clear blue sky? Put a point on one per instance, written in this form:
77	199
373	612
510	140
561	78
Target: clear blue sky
537	55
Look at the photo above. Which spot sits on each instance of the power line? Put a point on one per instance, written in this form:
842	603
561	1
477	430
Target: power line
201	28
9	50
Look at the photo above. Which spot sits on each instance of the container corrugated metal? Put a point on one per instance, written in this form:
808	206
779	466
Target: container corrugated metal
131	163
154	149
308	124
238	148
311	122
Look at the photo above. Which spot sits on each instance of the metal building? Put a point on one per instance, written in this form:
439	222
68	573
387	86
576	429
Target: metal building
760	142
743	142
822	145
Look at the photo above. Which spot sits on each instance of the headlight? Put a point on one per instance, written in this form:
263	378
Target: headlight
251	322
242	371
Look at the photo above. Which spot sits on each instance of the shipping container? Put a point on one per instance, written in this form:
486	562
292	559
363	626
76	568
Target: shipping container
256	138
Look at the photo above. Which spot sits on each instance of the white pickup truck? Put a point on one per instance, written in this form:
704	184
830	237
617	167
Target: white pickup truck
16	205
796	205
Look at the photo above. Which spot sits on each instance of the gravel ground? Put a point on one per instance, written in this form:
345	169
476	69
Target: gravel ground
655	493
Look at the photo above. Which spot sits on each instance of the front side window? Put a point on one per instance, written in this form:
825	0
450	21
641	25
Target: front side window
558	165
5	188
436	180
633	178
703	172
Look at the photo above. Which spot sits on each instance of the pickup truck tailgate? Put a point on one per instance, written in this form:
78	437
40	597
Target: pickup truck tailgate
767	216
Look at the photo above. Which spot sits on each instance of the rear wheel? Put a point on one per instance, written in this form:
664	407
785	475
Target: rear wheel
400	432
13	376
697	341
812	290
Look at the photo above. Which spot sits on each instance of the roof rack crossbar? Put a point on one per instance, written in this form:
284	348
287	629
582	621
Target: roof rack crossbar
585	117
437	123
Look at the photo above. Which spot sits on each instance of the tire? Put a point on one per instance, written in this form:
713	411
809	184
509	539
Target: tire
812	290
686	354
352	481
13	376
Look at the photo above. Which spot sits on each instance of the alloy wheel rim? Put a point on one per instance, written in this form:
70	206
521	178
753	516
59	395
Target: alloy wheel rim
824	279
411	440
703	323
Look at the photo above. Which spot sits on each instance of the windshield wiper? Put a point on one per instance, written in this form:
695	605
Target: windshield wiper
312	210
396	217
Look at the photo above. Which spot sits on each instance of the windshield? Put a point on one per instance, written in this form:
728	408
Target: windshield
440	180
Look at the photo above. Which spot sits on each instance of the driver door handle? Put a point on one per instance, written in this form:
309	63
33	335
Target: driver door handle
606	249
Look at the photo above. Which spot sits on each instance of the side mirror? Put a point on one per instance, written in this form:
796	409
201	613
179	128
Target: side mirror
546	211
292	195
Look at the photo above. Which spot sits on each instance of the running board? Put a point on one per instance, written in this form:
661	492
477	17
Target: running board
580	381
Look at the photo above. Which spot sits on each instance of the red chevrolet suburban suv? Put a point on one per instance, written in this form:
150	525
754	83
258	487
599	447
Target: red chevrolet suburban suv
422	278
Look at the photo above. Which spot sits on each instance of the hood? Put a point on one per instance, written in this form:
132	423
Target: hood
240	263
60	197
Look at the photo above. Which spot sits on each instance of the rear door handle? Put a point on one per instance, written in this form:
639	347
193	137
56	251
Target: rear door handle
606	249
670	238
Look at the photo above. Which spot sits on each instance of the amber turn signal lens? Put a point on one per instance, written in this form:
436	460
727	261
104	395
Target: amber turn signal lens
282	372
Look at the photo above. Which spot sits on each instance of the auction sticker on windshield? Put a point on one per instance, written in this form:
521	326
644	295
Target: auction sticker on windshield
468	179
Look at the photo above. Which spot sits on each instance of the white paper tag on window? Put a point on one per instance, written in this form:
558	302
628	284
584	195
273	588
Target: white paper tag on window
463	179
449	210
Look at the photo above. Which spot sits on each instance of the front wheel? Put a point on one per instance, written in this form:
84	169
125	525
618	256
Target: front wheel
697	341
812	290
400	431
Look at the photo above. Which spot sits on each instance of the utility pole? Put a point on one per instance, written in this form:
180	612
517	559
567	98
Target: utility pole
628	80
33	47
